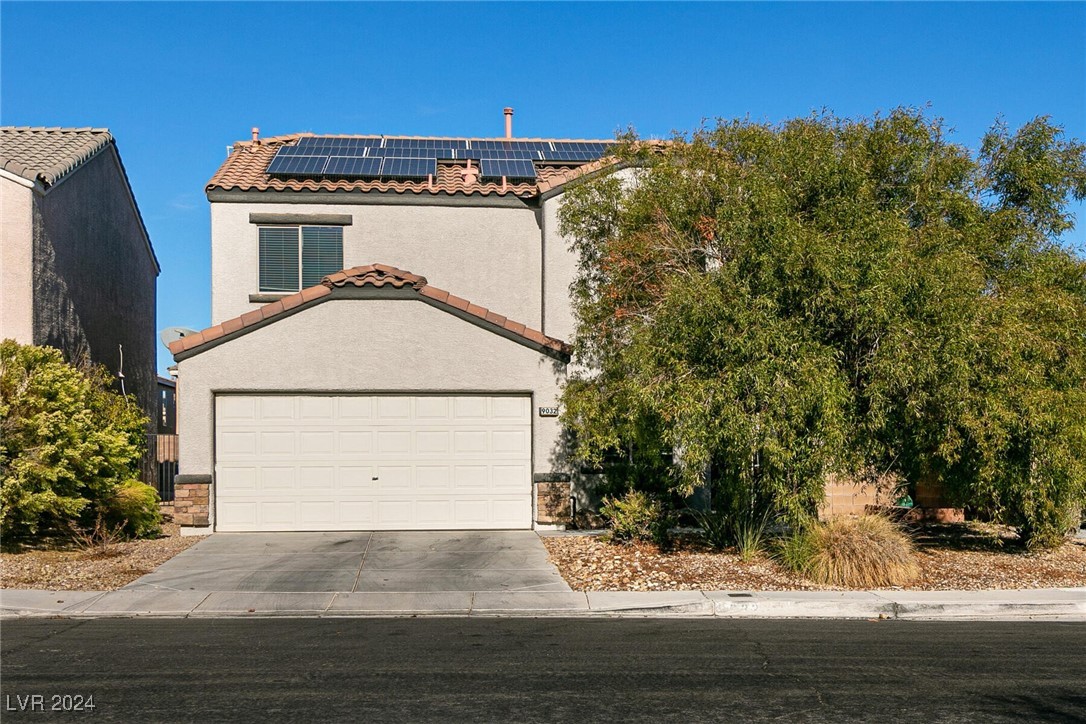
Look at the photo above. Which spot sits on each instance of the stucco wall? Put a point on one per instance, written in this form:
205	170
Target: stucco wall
364	345
94	277
559	271
16	262
487	255
560	267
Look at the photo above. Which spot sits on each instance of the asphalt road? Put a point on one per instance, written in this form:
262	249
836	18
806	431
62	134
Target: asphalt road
505	670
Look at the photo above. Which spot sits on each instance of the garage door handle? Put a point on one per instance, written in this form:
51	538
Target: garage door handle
374	477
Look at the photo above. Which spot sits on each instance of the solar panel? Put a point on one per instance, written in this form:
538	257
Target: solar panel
298	165
401	167
510	168
353	166
569	151
481	153
446	153
417	157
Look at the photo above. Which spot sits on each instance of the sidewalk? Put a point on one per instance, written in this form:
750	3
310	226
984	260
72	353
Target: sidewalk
1061	603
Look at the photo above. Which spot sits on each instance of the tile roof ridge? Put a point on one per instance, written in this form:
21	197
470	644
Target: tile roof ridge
363	276
56	129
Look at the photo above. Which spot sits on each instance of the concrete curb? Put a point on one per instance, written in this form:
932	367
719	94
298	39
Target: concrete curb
1063	604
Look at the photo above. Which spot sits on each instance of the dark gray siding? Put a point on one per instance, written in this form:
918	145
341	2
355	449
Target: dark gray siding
94	276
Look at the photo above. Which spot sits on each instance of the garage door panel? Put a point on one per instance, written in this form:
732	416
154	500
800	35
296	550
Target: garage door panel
433	478
470	408
393	442
355	442
273	479
327	462
237	408
242	479
316	408
432	442
510	441
472	476
317	513
237	444
316	442
276	408
507	478
354	408
313	479
236	516
277	513
278	444
355	514
510	408
394	408
356	478
432	409
470	442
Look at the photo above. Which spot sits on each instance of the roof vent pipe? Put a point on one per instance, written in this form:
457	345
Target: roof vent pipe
508	122
256	135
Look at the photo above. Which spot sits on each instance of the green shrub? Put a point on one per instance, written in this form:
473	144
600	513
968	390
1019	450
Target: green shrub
864	552
134	507
716	527
637	516
750	535
67	441
721	529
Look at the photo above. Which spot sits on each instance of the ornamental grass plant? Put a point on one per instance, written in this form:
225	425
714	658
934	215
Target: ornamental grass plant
869	551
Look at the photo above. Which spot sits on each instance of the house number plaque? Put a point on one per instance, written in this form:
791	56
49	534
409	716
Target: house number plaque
548	412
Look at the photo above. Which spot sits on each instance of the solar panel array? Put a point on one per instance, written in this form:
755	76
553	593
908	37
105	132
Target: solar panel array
416	158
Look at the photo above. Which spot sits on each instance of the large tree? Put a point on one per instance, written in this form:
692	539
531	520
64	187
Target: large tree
781	302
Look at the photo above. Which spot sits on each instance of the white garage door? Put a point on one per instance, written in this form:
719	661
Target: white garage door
313	462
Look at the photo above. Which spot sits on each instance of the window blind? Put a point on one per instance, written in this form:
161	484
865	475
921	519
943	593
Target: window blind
322	253
279	259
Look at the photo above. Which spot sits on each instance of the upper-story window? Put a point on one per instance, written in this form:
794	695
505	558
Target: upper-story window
296	257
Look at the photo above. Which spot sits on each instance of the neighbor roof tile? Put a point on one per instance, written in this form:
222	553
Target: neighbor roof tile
46	155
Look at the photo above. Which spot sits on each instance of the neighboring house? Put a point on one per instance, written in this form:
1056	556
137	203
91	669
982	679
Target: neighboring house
77	270
165	439
417	388
166	423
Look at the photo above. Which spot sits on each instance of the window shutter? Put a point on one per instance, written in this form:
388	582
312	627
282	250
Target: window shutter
322	253
279	259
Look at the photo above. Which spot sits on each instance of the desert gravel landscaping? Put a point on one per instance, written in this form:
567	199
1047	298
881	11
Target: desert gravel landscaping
104	568
969	557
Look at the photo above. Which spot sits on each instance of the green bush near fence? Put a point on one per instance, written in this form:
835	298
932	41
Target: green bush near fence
70	447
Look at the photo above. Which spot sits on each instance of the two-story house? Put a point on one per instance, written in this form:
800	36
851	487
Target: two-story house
387	343
77	270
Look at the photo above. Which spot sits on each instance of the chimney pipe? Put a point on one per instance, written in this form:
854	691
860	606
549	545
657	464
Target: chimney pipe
256	134
508	122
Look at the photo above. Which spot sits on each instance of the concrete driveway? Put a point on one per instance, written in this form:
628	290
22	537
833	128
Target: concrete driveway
396	561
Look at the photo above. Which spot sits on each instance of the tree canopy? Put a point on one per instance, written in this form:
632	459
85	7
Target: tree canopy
777	303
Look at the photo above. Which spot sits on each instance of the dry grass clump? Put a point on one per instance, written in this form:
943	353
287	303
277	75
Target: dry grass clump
865	552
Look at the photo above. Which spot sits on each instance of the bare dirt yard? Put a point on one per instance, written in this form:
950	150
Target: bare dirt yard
63	565
952	557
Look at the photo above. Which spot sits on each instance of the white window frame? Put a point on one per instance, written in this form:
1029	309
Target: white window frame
301	271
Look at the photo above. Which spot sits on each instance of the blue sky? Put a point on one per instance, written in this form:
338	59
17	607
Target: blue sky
177	83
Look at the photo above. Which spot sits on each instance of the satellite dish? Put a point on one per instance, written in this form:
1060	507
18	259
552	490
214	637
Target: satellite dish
172	334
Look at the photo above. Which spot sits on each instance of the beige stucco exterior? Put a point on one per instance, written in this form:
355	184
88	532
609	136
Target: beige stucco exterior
489	255
16	261
365	346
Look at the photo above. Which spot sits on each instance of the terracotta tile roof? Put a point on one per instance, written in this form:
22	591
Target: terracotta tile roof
372	275
46	155
245	169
